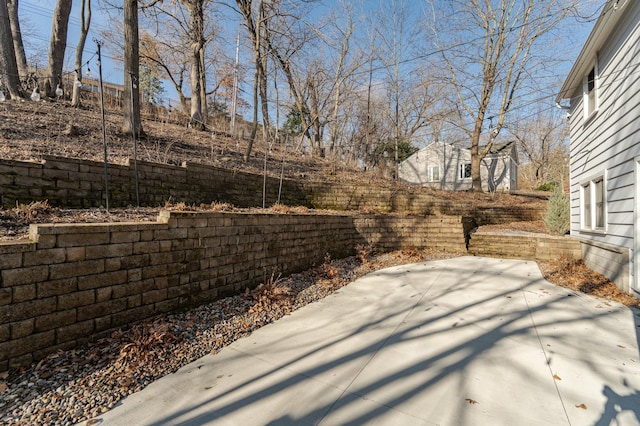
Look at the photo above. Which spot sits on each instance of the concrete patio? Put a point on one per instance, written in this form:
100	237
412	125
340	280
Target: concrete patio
464	341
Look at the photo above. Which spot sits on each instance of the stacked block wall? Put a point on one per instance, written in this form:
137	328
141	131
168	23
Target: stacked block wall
73	183
74	282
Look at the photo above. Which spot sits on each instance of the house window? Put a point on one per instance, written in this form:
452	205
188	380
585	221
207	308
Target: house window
593	205
465	171
434	173
591	92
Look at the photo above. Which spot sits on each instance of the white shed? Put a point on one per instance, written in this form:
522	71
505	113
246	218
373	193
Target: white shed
445	166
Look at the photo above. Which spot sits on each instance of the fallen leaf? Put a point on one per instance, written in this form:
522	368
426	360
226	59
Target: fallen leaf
471	401
584	407
3	387
556	377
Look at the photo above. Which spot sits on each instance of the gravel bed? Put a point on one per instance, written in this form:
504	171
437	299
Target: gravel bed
72	386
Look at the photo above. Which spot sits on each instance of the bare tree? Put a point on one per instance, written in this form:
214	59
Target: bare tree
18	45
542	141
85	22
254	18
197	71
57	47
8	67
131	124
487	51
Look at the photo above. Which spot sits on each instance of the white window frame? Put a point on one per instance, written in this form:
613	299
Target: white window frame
433	178
590	92
593	209
462	175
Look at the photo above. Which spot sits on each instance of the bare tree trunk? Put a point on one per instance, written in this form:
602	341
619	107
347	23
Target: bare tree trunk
255	27
85	22
196	44
8	66
131	101
18	46
57	46
254	128
203	87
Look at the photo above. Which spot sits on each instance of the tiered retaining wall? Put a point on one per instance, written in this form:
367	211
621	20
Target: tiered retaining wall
78	183
75	282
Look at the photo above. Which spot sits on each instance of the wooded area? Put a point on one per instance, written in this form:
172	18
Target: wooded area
352	82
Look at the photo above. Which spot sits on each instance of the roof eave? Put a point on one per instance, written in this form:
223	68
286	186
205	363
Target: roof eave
602	29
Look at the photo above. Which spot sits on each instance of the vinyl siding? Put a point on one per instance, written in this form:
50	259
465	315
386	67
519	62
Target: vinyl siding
609	143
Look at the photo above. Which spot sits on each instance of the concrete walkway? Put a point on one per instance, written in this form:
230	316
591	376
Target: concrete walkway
465	341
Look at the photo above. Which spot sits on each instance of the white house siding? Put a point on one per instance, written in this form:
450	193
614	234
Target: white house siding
609	144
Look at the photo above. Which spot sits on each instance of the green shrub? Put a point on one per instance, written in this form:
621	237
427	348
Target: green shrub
557	219
548	186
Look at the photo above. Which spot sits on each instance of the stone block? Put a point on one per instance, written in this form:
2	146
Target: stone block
21	276
23	328
31	309
135	261
5	296
10	260
75	254
167	306
106	279
78	239
56	287
23	293
76	299
102	323
154	296
102	309
5	333
104	294
132	315
15	348
76	269
134	301
44	257
154	271
74	331
146	247
55	320
110	250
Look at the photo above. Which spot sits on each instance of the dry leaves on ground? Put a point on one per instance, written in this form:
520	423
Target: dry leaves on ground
576	276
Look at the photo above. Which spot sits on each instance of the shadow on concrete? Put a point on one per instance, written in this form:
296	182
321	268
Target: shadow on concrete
547	320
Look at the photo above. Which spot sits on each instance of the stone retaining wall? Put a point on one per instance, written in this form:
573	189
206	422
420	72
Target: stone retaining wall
73	183
75	282
524	246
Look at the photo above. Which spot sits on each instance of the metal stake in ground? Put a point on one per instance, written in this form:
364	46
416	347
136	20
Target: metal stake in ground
135	142
104	128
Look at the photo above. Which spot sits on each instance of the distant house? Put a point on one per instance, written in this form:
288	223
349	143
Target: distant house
445	166
603	92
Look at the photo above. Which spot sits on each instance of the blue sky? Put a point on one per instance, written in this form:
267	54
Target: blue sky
36	25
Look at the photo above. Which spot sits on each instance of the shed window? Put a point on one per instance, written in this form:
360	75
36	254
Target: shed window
434	173
465	171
